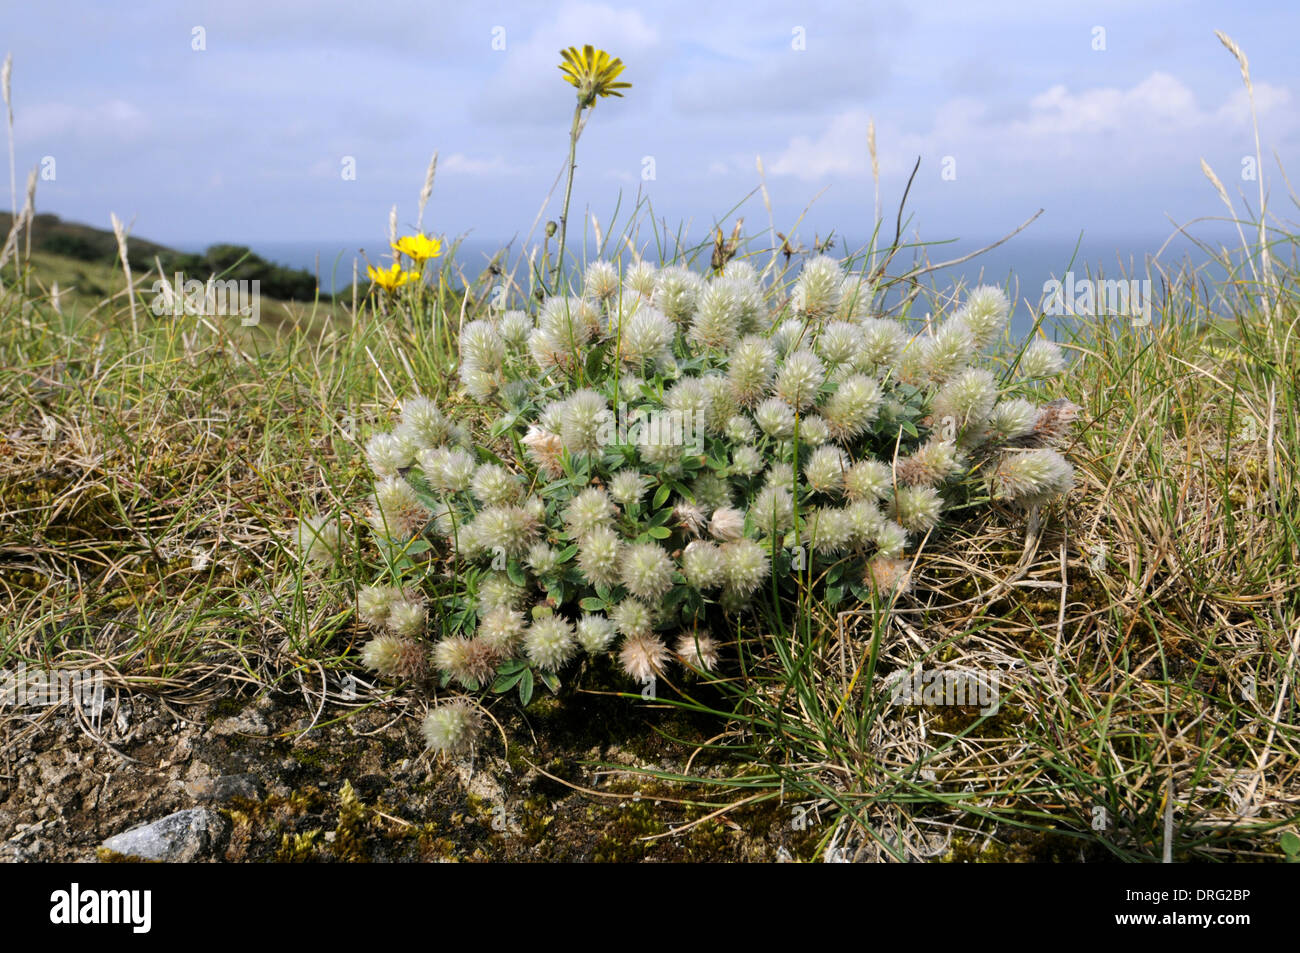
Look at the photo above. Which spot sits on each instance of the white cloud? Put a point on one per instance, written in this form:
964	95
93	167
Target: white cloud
1271	102
772	71
1159	99
116	120
460	164
1156	119
841	149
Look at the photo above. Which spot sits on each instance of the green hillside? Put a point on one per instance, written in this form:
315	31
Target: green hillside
53	240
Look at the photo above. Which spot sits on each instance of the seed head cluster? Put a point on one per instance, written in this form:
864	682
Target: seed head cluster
642	453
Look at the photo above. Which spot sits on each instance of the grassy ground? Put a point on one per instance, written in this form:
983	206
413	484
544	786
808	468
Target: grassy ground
1145	634
1147	631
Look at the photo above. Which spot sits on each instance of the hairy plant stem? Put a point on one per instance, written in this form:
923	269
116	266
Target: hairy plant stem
574	131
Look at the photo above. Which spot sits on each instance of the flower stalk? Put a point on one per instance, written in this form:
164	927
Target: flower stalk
574	131
595	74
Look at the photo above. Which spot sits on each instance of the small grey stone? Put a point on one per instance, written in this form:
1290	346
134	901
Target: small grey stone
224	788
182	837
247	722
155	726
13	852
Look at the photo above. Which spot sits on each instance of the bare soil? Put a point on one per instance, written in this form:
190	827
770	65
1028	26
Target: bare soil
297	787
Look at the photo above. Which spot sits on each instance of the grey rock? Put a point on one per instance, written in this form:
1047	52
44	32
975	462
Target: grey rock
56	767
14	851
156	725
122	719
182	837
184	747
247	722
225	788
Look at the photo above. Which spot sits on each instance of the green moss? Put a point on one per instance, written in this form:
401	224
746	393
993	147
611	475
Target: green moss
298	848
956	719
777	819
516	760
621	840
1020	847
432	846
106	856
349	839
708	841
227	707
315	757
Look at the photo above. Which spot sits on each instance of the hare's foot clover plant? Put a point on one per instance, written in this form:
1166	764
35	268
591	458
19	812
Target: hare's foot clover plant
638	461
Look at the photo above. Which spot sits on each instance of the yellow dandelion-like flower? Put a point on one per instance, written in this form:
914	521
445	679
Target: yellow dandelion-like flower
593	71
390	279
418	247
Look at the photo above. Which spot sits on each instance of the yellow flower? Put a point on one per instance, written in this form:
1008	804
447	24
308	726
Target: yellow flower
593	72
390	279
418	247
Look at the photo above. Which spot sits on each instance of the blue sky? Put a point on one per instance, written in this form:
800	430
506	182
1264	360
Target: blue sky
246	139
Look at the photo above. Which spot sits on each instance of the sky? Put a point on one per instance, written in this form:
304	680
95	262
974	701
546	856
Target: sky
238	120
